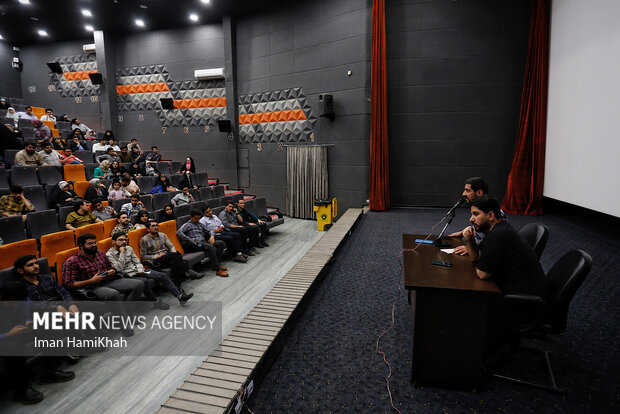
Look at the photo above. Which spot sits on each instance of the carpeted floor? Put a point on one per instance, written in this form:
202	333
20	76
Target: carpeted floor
329	362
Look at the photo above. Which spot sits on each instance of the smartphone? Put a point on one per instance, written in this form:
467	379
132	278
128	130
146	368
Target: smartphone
441	263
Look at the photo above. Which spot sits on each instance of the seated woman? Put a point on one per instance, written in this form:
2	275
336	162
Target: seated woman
166	214
75	133
117	169
135	170
41	131
141	219
117	192
11	114
59	144
62	195
187	180
103	171
95	190
188	166
163	185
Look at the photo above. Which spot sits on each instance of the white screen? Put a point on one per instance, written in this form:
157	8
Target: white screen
582	162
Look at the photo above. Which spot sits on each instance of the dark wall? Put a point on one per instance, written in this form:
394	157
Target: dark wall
10	79
181	52
312	45
36	81
455	73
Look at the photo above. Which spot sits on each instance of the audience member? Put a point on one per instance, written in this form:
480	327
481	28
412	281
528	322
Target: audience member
116	169
141	219
28	157
76	124
49	115
64	118
15	204
134	144
125	156
90	269
41	132
15	133
117	192
50	156
187	181
125	261
110	155
247	218
11	114
232	240
102	145
150	169
70	158
133	206
103	171
27	114
135	170
195	236
129	184
167	214
113	144
136	155
4	103
75	133
188	166
108	135
8	140
75	144
62	195
231	220
154	155
95	189
184	197
124	225
59	144
102	212
90	135
163	185
80	217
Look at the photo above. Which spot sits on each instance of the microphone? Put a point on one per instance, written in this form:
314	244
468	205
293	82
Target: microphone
438	242
458	203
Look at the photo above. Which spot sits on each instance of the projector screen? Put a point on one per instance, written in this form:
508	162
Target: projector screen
582	162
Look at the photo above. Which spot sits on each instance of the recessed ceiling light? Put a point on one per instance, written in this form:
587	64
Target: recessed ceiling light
144	6
1	37
206	1
193	17
89	28
139	23
34	19
42	33
86	13
24	1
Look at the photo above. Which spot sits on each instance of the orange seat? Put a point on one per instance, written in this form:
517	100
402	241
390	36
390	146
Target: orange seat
95	228
108	226
105	203
105	244
134	239
10	252
50	124
56	242
61	258
80	187
55	132
170	228
74	172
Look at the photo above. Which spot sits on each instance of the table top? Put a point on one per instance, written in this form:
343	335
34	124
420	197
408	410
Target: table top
420	273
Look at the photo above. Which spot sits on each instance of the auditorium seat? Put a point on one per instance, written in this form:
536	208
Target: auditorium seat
197	205
7	275
36	195
201	179
236	197
56	242
134	237
24	176
175	166
206	193
163	167
147	201
109	225
88	145
218	191
49	174
74	172
160	200
170	228
24	123
146	183
9	155
10	252
105	244
63	212
175	180
61	258
273	218
181	220
86	156
40	223
48	194
89	170
217	210
117	204
213	203
12	229
95	228
4	180
182	210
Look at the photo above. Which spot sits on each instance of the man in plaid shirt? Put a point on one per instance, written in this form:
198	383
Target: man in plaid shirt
16	203
90	269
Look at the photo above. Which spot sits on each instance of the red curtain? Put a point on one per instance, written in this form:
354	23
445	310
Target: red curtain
525	182
379	168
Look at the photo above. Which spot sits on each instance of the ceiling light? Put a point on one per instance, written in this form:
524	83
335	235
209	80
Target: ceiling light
144	6
193	17
24	1
1	37
42	33
86	13
206	1
139	23
89	28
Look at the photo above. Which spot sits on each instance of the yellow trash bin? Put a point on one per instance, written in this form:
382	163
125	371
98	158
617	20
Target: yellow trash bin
326	210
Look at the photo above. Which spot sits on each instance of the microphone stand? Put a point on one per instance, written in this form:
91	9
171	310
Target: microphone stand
438	242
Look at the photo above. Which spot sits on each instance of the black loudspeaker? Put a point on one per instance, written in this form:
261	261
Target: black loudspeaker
167	103
224	125
96	78
326	106
54	67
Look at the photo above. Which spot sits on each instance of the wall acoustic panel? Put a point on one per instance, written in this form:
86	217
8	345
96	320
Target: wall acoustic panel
276	116
195	102
74	80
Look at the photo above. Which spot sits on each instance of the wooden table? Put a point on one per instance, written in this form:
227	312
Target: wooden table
449	307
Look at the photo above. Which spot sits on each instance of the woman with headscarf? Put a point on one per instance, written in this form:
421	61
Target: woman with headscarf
5	103
117	169
11	114
95	190
135	170
166	214
188	166
141	219
163	185
108	135
187	180
41	131
62	195
59	144
75	133
103	171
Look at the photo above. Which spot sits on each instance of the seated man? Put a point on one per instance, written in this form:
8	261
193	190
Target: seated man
27	114
15	204
134	144
90	269
28	157
129	185
137	156
75	144
157	248
124	225
125	156
184	197
112	143
134	206
195	236
232	240
80	216
249	219
102	212
50	156
70	158
102	145
49	115
504	257
124	260
231	220
110	155
154	155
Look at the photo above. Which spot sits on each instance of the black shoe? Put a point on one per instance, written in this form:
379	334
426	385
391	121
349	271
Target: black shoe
160	304
263	243
253	250
57	376
127	332
28	396
194	275
245	255
252	253
185	297
240	258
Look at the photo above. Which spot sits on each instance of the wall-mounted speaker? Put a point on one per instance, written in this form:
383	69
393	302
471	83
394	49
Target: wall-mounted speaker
326	106
167	103
54	67
96	78
224	125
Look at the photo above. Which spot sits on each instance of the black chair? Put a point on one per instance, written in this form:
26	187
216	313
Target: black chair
175	180
146	183
9	156
218	191
195	193
8	275
217	210
544	316
48	195
24	123
88	145
40	223
181	220
205	193
273	218
89	169
213	203
175	166
536	235
201	179
117	204
4	180
63	212
36	196
86	156
236	197
163	167
147	201
160	200
24	176
12	229
49	175
182	210
197	205
225	200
